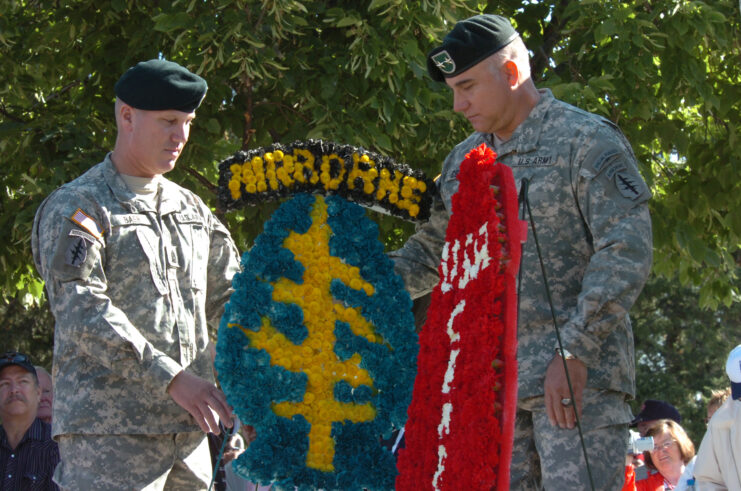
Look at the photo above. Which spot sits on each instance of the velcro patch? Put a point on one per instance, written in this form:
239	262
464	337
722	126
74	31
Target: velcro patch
76	252
628	185
85	221
188	218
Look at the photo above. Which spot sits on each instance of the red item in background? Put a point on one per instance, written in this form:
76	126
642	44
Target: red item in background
461	420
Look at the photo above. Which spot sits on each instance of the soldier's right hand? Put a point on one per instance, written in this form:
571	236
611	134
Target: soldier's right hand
203	400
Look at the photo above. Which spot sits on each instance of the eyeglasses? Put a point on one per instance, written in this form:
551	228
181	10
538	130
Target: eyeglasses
13	357
664	446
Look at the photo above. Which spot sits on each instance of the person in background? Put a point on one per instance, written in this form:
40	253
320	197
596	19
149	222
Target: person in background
673	452
652	411
589	206
28	455
718	464
137	270
717	398
47	394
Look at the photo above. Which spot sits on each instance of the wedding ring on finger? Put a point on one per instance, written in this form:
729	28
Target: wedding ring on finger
566	401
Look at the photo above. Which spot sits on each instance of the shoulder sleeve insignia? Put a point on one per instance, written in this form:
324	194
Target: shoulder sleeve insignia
86	222
76	252
628	185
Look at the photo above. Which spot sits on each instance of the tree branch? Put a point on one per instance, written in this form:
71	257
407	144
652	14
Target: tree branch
551	36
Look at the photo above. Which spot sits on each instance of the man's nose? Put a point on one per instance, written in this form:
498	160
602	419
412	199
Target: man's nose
459	103
180	134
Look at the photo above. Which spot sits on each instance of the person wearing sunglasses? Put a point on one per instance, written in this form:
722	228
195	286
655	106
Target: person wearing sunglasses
28	455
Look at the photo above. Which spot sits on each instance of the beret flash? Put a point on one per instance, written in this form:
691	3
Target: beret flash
471	41
158	85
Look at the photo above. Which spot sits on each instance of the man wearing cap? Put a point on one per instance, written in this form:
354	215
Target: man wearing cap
137	269
28	455
653	410
718	464
589	211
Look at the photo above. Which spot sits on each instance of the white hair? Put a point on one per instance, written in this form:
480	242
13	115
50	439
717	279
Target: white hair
515	51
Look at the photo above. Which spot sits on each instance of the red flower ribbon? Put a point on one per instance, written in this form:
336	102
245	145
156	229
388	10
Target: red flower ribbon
461	420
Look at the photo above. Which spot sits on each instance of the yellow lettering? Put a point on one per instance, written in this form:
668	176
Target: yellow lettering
367	176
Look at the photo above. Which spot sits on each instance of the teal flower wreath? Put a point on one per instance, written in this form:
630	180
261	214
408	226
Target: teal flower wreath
317	349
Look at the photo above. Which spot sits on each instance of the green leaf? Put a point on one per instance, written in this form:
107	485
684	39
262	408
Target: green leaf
171	22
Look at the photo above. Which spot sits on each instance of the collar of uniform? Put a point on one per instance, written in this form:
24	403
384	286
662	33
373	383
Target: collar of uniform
119	188
526	137
171	199
127	197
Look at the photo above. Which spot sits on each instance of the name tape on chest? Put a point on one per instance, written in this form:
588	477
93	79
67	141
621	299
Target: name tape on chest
534	161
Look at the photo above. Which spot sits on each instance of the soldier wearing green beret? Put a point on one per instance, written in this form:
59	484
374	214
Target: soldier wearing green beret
137	271
589	206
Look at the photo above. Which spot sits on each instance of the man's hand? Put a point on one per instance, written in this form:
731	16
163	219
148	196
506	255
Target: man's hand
557	388
201	399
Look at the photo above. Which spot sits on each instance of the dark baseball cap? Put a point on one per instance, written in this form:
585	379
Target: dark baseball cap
653	409
19	359
159	85
470	42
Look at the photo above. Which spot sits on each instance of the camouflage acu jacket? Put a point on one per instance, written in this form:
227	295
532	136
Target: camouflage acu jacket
589	205
133	289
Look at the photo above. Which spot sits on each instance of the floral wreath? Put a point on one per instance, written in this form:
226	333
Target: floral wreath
317	349
316	166
461	419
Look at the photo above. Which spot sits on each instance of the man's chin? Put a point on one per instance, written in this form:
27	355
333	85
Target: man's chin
166	167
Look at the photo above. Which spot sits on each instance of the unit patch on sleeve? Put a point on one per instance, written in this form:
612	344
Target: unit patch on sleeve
628	185
76	251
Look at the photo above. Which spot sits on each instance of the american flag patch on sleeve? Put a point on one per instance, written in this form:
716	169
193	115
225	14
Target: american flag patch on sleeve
83	220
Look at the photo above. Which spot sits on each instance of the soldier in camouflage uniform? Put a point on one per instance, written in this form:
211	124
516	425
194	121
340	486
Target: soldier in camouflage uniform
137	269
591	218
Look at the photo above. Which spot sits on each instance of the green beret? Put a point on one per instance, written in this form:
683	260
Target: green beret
471	41
158	85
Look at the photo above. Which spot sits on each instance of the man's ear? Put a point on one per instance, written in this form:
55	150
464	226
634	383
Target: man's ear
126	115
511	72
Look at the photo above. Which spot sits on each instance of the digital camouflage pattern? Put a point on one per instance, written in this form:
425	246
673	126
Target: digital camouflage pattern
589	206
149	462
559	450
133	289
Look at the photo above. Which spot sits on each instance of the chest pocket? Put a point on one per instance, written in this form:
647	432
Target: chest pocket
195	244
150	244
133	229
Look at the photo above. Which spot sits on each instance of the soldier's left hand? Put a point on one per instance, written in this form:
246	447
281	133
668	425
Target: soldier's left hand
557	389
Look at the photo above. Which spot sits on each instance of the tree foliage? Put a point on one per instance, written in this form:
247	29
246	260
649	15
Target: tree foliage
667	71
681	349
279	70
